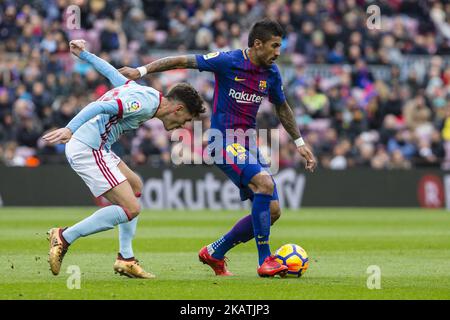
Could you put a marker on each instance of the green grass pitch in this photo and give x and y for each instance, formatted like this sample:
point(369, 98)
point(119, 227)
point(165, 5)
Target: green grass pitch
point(411, 247)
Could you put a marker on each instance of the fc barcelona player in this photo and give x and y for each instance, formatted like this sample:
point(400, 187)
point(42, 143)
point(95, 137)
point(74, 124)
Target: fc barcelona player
point(242, 79)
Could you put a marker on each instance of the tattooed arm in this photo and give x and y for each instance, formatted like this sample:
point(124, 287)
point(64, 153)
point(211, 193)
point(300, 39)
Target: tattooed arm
point(169, 63)
point(163, 64)
point(287, 119)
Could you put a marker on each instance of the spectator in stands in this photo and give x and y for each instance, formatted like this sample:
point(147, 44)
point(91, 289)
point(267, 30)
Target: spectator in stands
point(110, 36)
point(418, 115)
point(402, 141)
point(387, 85)
point(315, 102)
point(380, 160)
point(398, 160)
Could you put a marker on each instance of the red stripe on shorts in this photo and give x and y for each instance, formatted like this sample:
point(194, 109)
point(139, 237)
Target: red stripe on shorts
point(113, 178)
point(101, 168)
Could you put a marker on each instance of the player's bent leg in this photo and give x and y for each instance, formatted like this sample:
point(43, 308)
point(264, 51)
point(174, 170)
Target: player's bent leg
point(103, 219)
point(124, 197)
point(214, 253)
point(127, 230)
point(100, 171)
point(251, 179)
point(241, 232)
point(123, 210)
point(262, 183)
point(134, 180)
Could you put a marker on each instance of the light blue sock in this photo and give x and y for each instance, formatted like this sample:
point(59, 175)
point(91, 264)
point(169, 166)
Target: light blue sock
point(126, 235)
point(103, 219)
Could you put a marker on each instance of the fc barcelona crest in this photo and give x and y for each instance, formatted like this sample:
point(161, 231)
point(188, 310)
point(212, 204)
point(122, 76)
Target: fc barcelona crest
point(262, 85)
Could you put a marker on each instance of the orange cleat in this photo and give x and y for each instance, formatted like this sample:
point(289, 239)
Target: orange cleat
point(271, 268)
point(219, 266)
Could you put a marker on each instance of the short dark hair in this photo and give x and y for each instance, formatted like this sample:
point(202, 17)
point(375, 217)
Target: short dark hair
point(186, 94)
point(264, 30)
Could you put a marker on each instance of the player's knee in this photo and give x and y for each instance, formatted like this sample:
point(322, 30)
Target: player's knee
point(133, 209)
point(265, 185)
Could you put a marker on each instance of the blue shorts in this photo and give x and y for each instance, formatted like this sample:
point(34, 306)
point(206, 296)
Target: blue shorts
point(241, 165)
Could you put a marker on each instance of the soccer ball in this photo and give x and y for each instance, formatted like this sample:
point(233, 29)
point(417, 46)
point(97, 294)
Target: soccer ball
point(294, 257)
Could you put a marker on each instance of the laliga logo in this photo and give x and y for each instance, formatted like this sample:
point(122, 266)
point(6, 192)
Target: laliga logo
point(244, 97)
point(134, 106)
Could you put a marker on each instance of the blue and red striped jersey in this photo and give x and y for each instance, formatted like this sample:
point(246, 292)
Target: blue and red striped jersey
point(240, 86)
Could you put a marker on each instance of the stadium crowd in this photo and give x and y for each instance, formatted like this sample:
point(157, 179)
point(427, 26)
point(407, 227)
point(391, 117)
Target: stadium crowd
point(351, 117)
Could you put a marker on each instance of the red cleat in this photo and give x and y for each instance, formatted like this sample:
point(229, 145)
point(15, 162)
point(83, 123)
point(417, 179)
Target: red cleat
point(271, 267)
point(219, 266)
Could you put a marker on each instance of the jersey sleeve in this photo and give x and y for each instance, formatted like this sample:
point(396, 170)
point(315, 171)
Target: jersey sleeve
point(112, 107)
point(214, 61)
point(140, 104)
point(107, 70)
point(276, 93)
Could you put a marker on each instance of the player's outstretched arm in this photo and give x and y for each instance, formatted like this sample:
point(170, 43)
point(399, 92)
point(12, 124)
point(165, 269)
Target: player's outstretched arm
point(77, 47)
point(160, 65)
point(287, 119)
point(93, 109)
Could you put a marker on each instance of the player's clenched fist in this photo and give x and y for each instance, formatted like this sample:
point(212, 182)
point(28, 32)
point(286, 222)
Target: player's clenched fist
point(77, 46)
point(61, 135)
point(130, 73)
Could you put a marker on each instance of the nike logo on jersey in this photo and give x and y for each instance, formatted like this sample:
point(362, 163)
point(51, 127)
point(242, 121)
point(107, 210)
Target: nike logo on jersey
point(238, 79)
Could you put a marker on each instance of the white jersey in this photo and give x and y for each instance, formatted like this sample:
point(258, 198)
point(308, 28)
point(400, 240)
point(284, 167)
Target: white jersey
point(125, 108)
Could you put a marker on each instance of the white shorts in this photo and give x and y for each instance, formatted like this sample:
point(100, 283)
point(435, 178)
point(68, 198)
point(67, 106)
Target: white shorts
point(98, 168)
